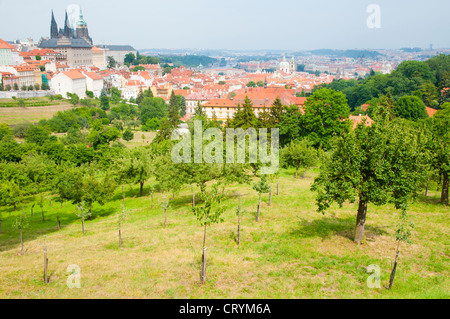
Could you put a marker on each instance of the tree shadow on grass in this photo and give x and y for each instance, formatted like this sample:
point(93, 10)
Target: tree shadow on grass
point(433, 200)
point(10, 239)
point(328, 226)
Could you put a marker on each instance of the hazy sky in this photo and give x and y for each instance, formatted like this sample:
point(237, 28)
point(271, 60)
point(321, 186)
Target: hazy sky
point(239, 24)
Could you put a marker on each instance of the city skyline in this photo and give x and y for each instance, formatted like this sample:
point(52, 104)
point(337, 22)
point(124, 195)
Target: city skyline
point(250, 25)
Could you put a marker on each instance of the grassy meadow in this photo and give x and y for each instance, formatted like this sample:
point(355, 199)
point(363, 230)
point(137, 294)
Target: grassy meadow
point(34, 110)
point(292, 252)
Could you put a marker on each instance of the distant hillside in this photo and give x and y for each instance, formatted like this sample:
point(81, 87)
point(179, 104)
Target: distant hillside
point(347, 53)
point(188, 60)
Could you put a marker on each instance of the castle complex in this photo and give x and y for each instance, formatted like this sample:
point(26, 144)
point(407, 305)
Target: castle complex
point(78, 31)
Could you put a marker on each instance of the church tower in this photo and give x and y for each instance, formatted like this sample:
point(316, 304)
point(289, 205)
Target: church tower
point(82, 29)
point(68, 32)
point(53, 28)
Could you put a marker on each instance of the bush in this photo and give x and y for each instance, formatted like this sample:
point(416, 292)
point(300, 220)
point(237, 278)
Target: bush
point(152, 125)
point(128, 135)
point(20, 130)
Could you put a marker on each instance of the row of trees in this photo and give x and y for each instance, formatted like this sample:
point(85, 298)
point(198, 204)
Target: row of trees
point(15, 87)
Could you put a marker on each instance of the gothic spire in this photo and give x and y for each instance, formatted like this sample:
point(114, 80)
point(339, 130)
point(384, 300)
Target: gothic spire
point(67, 28)
point(53, 27)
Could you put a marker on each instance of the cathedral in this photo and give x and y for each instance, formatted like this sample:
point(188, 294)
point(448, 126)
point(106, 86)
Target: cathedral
point(72, 43)
point(78, 31)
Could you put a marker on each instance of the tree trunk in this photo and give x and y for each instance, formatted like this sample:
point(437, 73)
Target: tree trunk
point(259, 209)
point(203, 270)
point(193, 200)
point(391, 279)
point(304, 173)
point(59, 224)
point(152, 201)
point(445, 184)
point(239, 231)
point(45, 265)
point(165, 217)
point(42, 212)
point(270, 196)
point(142, 188)
point(21, 242)
point(123, 206)
point(15, 207)
point(360, 221)
point(173, 195)
point(82, 225)
point(120, 236)
point(296, 170)
point(32, 208)
point(50, 202)
point(428, 184)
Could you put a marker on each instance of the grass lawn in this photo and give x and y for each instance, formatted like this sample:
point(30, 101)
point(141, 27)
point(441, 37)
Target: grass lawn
point(138, 140)
point(293, 252)
point(32, 114)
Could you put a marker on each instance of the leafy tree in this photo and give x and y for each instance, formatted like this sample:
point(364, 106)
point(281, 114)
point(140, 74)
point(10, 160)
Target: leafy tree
point(83, 213)
point(207, 215)
point(74, 99)
point(261, 187)
point(299, 154)
point(10, 193)
point(326, 115)
point(290, 124)
point(152, 107)
point(411, 108)
point(129, 58)
point(128, 135)
point(377, 164)
point(20, 224)
point(36, 134)
point(403, 233)
point(111, 62)
point(439, 147)
point(135, 166)
point(152, 124)
point(251, 84)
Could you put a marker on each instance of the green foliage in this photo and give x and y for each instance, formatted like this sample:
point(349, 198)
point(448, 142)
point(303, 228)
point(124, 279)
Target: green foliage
point(37, 134)
point(379, 164)
point(245, 118)
point(411, 108)
point(152, 107)
point(128, 135)
point(404, 227)
point(299, 154)
point(152, 125)
point(211, 211)
point(111, 62)
point(262, 187)
point(326, 115)
point(104, 102)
